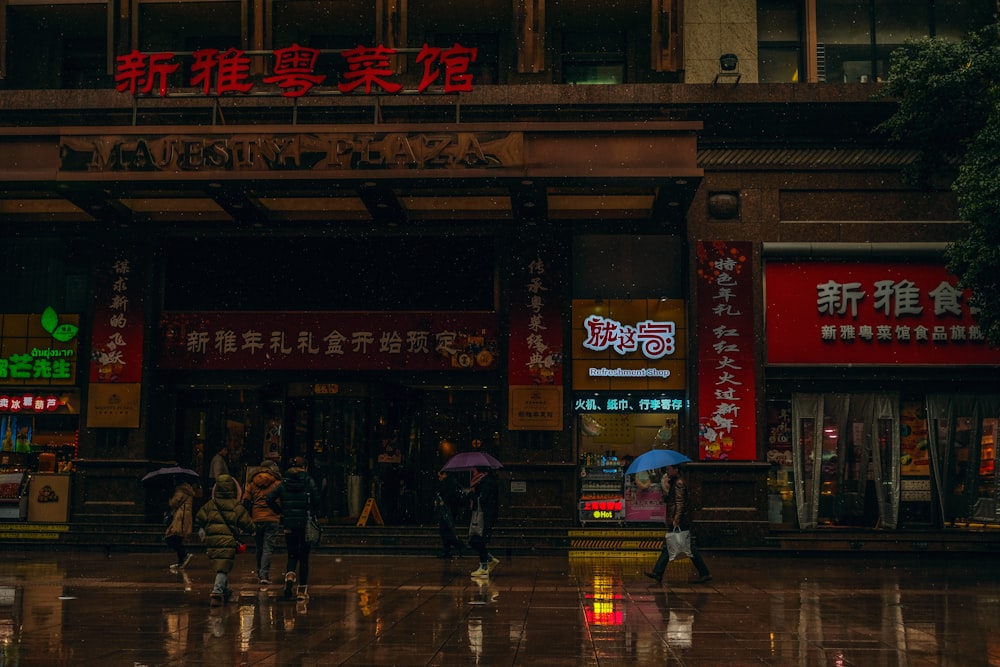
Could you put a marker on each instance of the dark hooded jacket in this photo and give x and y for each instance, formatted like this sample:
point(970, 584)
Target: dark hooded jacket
point(295, 498)
point(221, 517)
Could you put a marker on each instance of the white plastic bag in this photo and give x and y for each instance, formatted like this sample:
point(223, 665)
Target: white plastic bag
point(678, 543)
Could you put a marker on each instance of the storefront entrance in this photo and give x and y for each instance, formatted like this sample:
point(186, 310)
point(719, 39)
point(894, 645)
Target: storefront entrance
point(846, 460)
point(361, 440)
point(962, 439)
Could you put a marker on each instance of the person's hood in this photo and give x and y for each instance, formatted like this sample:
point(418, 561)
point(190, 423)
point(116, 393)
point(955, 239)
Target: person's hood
point(226, 487)
point(266, 478)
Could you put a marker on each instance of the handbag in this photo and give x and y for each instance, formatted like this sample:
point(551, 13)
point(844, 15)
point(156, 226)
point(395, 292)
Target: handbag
point(168, 517)
point(240, 546)
point(314, 534)
point(478, 522)
point(678, 543)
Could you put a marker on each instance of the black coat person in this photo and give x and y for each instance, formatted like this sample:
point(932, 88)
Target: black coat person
point(447, 502)
point(485, 498)
point(295, 499)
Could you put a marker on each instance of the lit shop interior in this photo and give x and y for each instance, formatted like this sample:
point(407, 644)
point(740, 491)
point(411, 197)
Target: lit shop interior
point(609, 439)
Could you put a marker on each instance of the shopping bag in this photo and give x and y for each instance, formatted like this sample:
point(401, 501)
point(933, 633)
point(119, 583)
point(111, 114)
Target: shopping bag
point(478, 522)
point(314, 534)
point(678, 544)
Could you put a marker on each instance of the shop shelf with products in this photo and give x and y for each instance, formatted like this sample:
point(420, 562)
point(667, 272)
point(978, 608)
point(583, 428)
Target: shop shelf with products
point(602, 494)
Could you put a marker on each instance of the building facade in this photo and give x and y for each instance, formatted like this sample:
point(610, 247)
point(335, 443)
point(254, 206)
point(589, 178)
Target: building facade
point(376, 234)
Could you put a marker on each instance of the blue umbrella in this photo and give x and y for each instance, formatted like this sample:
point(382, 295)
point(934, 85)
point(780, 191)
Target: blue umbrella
point(470, 460)
point(656, 458)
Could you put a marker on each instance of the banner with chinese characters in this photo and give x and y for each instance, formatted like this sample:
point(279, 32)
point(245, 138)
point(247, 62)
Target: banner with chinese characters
point(727, 426)
point(870, 313)
point(535, 347)
point(535, 351)
point(385, 341)
point(38, 350)
point(629, 344)
point(119, 326)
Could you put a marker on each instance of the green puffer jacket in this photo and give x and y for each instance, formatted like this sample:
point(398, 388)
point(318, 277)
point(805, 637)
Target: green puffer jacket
point(213, 516)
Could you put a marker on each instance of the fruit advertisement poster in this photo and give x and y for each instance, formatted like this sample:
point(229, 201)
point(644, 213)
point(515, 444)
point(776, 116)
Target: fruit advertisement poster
point(914, 453)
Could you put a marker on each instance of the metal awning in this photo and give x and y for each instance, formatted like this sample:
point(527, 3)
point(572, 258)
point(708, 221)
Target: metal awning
point(394, 175)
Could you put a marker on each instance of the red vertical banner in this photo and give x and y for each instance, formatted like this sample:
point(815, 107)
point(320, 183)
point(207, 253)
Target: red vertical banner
point(726, 386)
point(536, 327)
point(117, 338)
point(535, 350)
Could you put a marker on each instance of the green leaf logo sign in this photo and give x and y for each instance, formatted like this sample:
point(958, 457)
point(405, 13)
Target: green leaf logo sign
point(60, 332)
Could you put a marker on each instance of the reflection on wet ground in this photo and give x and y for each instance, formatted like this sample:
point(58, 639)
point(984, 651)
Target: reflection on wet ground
point(760, 609)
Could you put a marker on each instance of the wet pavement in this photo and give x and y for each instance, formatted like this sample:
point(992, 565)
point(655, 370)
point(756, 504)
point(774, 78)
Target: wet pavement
point(759, 609)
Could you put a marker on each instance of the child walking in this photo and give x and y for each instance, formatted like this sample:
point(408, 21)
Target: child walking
point(221, 520)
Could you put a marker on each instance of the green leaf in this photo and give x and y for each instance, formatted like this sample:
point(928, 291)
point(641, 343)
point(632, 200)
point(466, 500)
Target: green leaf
point(65, 332)
point(50, 319)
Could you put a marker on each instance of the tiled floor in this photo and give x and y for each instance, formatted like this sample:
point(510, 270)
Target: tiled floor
point(762, 609)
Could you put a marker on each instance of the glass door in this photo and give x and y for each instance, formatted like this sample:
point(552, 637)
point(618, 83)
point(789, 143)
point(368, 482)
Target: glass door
point(836, 460)
point(963, 439)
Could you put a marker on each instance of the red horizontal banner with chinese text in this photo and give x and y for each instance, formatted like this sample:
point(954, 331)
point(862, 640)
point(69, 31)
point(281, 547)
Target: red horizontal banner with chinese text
point(415, 341)
point(872, 313)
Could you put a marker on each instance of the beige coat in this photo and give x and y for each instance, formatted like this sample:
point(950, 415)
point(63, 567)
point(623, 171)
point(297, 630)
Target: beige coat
point(182, 505)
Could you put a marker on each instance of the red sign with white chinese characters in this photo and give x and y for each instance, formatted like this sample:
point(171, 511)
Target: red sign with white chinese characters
point(726, 388)
point(119, 325)
point(873, 313)
point(368, 70)
point(415, 341)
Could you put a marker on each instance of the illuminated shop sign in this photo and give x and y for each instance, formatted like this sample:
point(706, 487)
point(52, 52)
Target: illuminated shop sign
point(38, 349)
point(612, 402)
point(27, 402)
point(603, 509)
point(654, 339)
point(629, 344)
point(368, 70)
point(870, 313)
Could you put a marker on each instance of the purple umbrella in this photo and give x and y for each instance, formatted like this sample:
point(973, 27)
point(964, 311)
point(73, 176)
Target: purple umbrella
point(470, 460)
point(169, 472)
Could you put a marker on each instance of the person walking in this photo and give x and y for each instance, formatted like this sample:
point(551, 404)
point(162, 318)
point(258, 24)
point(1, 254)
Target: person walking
point(677, 517)
point(221, 521)
point(486, 498)
point(219, 465)
point(295, 499)
point(447, 501)
point(266, 521)
point(181, 507)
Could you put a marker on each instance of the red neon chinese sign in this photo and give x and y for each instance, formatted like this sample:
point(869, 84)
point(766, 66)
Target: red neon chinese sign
point(29, 403)
point(368, 69)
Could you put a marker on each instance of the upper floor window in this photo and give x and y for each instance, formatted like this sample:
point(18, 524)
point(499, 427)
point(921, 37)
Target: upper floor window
point(56, 46)
point(850, 41)
point(593, 58)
